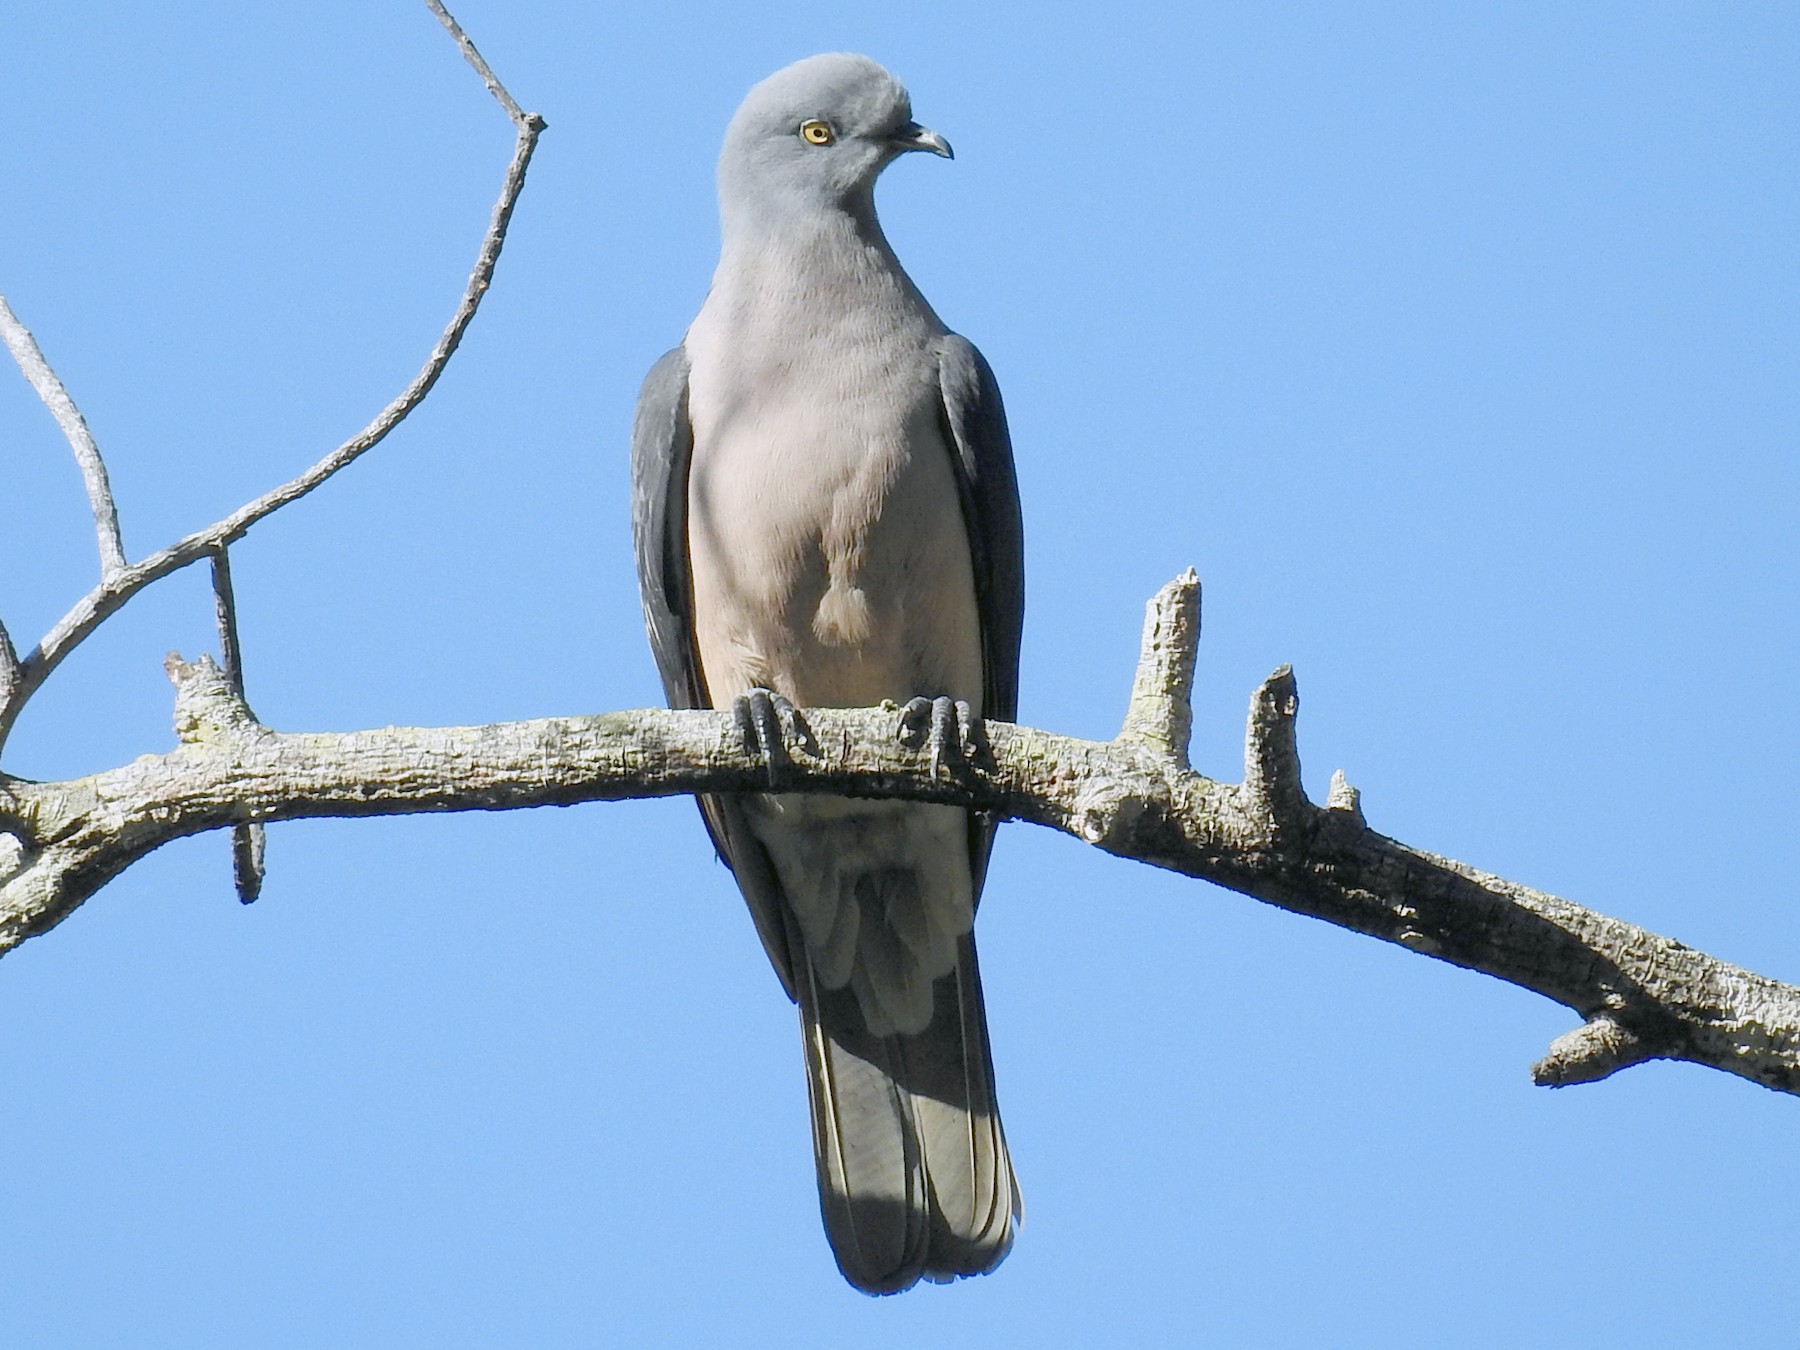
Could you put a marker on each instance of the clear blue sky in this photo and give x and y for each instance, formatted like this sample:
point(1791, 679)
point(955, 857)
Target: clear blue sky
point(1455, 346)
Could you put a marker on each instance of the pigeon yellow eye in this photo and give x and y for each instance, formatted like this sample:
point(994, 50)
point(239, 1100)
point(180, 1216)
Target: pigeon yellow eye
point(816, 133)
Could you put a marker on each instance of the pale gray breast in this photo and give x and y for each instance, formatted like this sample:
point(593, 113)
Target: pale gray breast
point(830, 558)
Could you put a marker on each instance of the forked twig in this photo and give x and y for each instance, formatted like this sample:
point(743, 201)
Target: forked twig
point(124, 582)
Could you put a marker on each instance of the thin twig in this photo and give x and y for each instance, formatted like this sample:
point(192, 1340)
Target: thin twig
point(480, 64)
point(111, 595)
point(231, 656)
point(247, 841)
point(74, 426)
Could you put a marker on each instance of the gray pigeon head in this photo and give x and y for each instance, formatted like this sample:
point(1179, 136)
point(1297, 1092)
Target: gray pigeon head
point(816, 134)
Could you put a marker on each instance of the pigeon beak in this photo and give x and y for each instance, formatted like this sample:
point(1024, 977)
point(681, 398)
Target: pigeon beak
point(915, 137)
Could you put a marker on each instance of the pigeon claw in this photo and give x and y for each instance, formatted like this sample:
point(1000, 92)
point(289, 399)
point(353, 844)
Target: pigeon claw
point(769, 725)
point(949, 726)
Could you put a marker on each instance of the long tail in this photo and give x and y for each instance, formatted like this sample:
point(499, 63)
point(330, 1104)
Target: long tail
point(914, 1177)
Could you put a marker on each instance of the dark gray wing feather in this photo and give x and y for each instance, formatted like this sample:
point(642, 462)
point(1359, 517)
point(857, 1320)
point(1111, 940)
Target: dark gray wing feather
point(976, 422)
point(662, 450)
point(975, 426)
point(662, 446)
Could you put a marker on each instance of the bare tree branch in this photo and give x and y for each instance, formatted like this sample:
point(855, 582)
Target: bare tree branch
point(118, 587)
point(55, 397)
point(1640, 996)
point(247, 841)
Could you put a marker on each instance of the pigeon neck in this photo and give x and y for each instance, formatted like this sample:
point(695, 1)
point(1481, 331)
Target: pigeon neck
point(815, 242)
point(781, 224)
